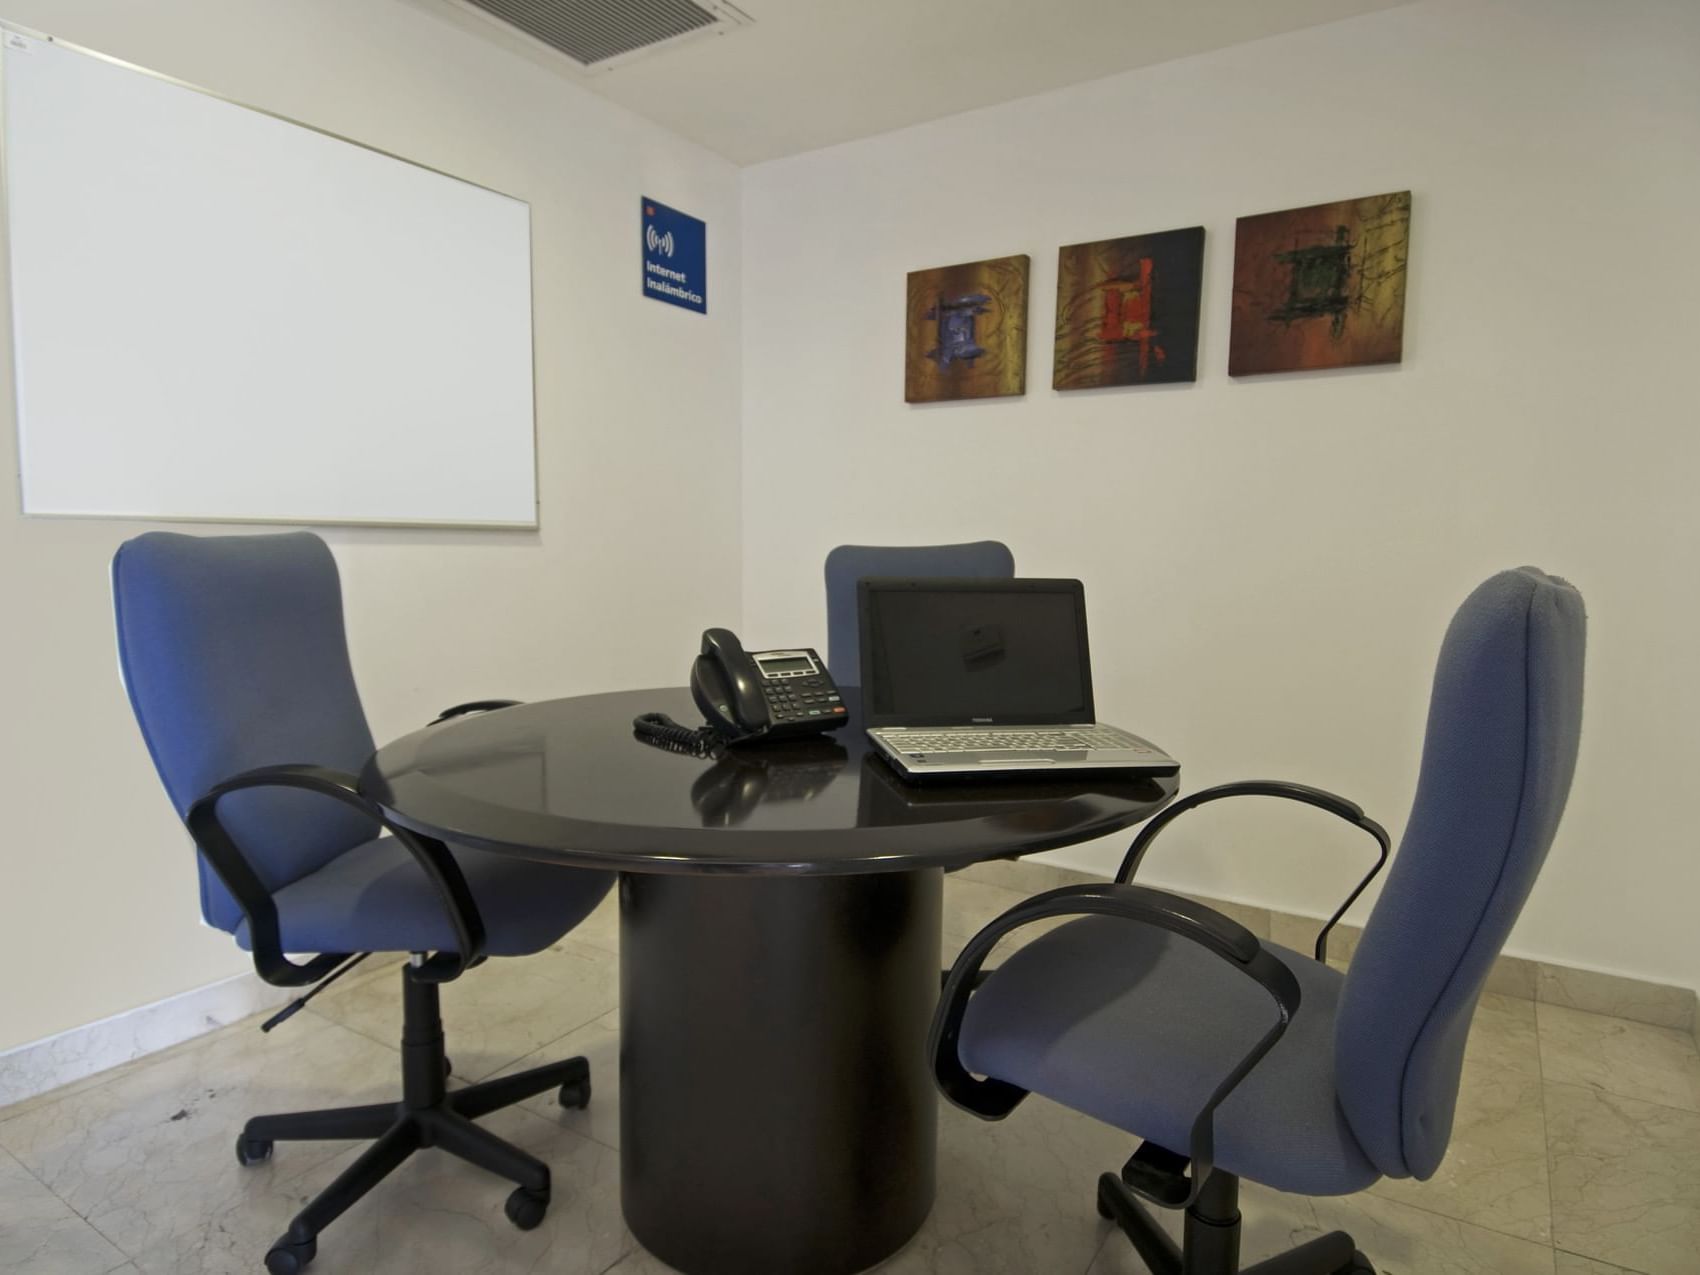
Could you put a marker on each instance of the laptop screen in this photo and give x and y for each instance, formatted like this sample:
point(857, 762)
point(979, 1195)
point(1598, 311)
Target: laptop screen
point(955, 652)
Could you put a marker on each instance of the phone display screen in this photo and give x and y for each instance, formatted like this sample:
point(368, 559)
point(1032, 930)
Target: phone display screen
point(790, 664)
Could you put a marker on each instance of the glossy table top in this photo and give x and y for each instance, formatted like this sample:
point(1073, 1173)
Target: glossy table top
point(566, 781)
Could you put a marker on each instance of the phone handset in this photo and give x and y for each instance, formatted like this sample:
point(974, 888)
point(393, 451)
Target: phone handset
point(726, 686)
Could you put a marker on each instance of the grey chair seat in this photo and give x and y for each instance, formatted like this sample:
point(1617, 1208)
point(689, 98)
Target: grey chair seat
point(1132, 1026)
point(375, 898)
point(1115, 1018)
point(236, 662)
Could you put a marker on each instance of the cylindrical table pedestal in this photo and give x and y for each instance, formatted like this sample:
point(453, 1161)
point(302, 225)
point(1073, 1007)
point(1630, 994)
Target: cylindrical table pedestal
point(777, 1112)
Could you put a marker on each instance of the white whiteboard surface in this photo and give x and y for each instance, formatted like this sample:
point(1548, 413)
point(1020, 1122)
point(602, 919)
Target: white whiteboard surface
point(219, 314)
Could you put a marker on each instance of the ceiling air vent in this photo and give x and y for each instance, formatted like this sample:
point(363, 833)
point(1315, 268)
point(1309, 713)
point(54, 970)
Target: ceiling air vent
point(599, 34)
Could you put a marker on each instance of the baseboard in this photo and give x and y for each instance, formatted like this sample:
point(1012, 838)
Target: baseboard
point(41, 1065)
point(1638, 1000)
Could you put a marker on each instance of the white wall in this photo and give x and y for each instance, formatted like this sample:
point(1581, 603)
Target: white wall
point(1270, 563)
point(637, 409)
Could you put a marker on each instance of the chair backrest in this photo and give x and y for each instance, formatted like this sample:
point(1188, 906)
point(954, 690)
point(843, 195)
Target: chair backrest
point(1503, 727)
point(845, 565)
point(233, 655)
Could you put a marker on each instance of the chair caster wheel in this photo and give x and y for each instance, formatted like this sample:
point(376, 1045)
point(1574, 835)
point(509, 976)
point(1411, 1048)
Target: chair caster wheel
point(1359, 1265)
point(251, 1151)
point(1104, 1210)
point(448, 1068)
point(286, 1258)
point(525, 1209)
point(575, 1094)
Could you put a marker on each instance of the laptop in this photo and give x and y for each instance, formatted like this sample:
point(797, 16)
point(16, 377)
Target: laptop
point(976, 677)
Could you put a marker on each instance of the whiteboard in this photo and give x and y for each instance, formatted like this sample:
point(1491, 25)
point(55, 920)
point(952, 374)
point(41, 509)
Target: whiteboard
point(220, 314)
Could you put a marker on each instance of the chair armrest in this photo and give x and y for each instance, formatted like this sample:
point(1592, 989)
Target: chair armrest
point(472, 706)
point(993, 1099)
point(255, 899)
point(1350, 811)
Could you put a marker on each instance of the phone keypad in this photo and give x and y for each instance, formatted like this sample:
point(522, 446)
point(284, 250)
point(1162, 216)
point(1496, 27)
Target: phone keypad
point(802, 699)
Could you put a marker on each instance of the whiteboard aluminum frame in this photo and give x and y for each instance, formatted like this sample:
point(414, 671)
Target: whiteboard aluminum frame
point(14, 28)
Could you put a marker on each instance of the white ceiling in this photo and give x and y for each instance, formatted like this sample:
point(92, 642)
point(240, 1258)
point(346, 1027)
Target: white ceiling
point(810, 73)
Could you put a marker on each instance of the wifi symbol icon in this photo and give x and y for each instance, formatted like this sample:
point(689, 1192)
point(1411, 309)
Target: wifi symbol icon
point(659, 242)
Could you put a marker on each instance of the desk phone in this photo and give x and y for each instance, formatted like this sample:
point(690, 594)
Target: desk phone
point(763, 694)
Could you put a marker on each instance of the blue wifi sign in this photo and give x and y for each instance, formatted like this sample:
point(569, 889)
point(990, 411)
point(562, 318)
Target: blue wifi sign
point(675, 257)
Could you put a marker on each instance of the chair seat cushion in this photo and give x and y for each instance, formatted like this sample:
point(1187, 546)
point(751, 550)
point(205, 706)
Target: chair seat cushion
point(1136, 1027)
point(376, 898)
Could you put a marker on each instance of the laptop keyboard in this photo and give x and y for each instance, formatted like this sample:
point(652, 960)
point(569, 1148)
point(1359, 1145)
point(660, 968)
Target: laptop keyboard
point(1021, 740)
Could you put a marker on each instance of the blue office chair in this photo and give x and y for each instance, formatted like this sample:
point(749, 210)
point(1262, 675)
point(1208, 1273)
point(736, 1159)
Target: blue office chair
point(1153, 1013)
point(845, 565)
point(234, 657)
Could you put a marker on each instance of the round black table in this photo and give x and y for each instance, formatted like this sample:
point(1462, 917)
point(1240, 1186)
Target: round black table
point(779, 952)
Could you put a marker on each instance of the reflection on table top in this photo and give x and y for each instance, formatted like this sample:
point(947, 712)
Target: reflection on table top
point(567, 780)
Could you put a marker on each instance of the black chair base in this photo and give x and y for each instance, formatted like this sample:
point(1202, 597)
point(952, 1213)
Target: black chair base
point(429, 1115)
point(1211, 1236)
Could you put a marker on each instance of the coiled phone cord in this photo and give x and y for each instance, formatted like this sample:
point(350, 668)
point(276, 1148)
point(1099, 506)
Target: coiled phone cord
point(663, 732)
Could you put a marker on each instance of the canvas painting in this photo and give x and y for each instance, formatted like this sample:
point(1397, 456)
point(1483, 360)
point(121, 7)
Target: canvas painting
point(1127, 310)
point(966, 335)
point(1320, 287)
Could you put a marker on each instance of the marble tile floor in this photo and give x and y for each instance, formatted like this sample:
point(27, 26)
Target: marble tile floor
point(1576, 1150)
